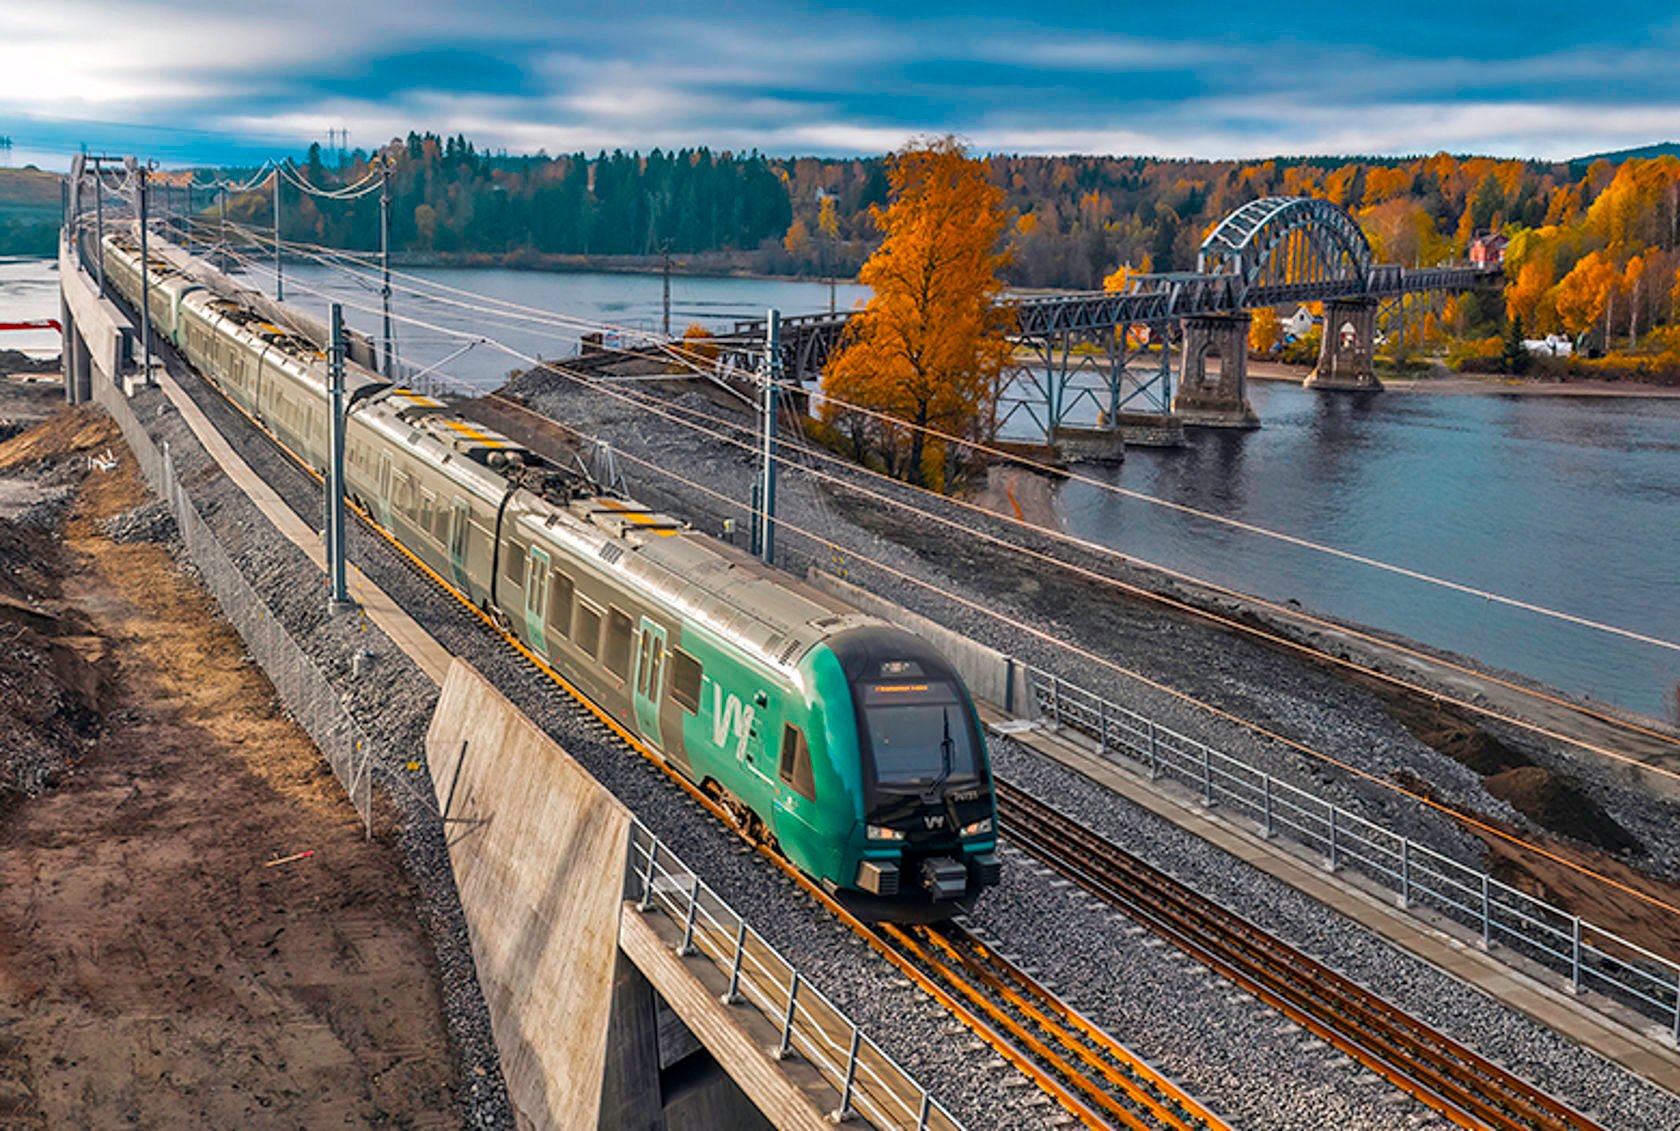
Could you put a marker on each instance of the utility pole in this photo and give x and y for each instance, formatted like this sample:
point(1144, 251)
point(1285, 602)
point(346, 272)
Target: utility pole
point(279, 284)
point(221, 235)
point(338, 598)
point(99, 227)
point(665, 251)
point(764, 516)
point(145, 279)
point(385, 259)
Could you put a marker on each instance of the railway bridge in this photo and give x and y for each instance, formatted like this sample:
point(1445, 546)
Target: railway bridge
point(1072, 362)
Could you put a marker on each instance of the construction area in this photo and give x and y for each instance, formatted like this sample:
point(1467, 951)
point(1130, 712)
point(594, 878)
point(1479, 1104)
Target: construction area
point(195, 932)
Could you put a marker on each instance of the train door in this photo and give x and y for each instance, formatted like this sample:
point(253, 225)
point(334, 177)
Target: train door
point(385, 490)
point(458, 517)
point(649, 683)
point(536, 600)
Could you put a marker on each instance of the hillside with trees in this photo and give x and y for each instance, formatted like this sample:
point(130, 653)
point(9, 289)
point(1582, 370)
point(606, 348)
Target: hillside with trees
point(1592, 253)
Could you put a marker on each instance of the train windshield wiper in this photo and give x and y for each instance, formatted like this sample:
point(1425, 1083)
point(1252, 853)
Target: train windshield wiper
point(947, 755)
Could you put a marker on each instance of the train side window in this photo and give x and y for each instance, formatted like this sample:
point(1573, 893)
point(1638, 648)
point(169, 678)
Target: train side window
point(458, 532)
point(385, 477)
point(513, 568)
point(617, 658)
point(440, 525)
point(795, 768)
point(560, 604)
point(686, 674)
point(428, 502)
point(586, 631)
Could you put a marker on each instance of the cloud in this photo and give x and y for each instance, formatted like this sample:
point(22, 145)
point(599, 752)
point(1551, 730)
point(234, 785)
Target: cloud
point(197, 80)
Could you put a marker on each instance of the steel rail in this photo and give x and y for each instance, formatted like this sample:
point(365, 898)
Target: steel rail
point(1099, 1094)
point(1438, 1071)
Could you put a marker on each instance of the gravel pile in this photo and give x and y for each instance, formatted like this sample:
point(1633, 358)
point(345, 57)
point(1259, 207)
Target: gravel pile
point(393, 701)
point(149, 522)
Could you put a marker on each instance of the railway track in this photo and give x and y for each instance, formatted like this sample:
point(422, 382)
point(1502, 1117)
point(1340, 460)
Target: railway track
point(1085, 1071)
point(1097, 1080)
point(1441, 1073)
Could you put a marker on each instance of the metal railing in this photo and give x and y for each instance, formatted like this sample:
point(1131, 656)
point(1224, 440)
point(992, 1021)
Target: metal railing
point(307, 696)
point(869, 1082)
point(1588, 956)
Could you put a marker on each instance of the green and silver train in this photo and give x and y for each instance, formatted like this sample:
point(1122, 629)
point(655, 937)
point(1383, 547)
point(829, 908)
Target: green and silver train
point(850, 745)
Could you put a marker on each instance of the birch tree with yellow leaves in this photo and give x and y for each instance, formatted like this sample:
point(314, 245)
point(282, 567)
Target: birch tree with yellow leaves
point(929, 346)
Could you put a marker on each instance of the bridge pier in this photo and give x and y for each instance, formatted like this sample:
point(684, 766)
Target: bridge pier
point(1213, 380)
point(1345, 360)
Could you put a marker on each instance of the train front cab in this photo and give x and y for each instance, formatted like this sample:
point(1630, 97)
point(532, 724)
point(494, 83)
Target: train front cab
point(924, 840)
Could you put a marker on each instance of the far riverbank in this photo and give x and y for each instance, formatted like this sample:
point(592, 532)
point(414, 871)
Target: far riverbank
point(1459, 384)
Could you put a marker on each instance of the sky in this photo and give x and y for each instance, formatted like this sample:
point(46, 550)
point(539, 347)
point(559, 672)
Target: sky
point(229, 82)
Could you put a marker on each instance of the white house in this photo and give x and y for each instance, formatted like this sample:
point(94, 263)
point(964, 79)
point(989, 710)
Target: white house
point(1299, 323)
point(1552, 345)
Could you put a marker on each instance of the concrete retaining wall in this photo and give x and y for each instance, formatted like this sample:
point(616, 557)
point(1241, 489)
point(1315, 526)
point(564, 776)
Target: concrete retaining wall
point(538, 849)
point(990, 675)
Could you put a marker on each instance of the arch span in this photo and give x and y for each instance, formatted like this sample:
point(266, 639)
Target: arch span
point(1283, 240)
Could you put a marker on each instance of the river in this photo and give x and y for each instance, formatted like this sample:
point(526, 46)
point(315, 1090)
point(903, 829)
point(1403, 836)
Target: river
point(1568, 502)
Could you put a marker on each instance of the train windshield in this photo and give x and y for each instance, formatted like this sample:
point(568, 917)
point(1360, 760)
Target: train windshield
point(918, 732)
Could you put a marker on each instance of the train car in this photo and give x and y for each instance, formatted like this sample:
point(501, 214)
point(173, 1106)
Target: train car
point(849, 745)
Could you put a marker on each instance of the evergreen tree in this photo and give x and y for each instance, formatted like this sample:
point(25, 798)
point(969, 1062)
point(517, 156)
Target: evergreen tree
point(1513, 356)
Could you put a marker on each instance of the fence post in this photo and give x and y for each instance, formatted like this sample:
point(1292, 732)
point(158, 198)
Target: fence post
point(1102, 727)
point(1676, 1032)
point(844, 1111)
point(1575, 955)
point(1335, 862)
point(1487, 912)
point(1056, 699)
point(1154, 757)
point(1270, 831)
point(1009, 685)
point(733, 994)
point(1405, 872)
point(1207, 776)
point(647, 877)
point(687, 946)
point(787, 1021)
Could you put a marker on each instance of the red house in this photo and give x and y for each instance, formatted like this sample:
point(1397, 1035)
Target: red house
point(1488, 250)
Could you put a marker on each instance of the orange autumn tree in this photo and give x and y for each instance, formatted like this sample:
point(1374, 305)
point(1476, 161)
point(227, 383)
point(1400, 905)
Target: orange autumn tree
point(928, 347)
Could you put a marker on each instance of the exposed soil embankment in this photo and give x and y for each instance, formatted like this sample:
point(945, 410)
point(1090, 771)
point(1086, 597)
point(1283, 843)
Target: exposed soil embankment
point(154, 969)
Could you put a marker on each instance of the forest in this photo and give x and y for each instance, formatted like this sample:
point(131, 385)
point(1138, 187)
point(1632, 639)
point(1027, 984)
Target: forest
point(1592, 252)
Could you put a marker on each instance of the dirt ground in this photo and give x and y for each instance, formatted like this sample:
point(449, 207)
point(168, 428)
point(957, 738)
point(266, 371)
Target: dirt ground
point(153, 970)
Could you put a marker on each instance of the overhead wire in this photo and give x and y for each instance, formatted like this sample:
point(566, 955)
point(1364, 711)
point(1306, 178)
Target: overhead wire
point(1130, 560)
point(1422, 799)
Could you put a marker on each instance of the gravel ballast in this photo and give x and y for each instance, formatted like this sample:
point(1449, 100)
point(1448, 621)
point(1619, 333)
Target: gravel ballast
point(1195, 1026)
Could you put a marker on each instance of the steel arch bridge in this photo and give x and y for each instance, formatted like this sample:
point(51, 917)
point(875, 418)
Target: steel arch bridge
point(1268, 252)
point(1288, 240)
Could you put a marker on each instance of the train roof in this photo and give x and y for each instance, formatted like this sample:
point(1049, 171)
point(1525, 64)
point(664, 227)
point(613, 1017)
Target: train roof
point(771, 614)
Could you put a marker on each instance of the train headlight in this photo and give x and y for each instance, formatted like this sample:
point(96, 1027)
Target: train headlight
point(881, 832)
point(977, 828)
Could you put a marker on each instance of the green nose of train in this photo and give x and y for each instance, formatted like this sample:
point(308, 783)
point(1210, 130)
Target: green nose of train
point(851, 745)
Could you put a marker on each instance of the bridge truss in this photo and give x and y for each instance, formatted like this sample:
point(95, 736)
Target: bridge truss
point(1109, 352)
